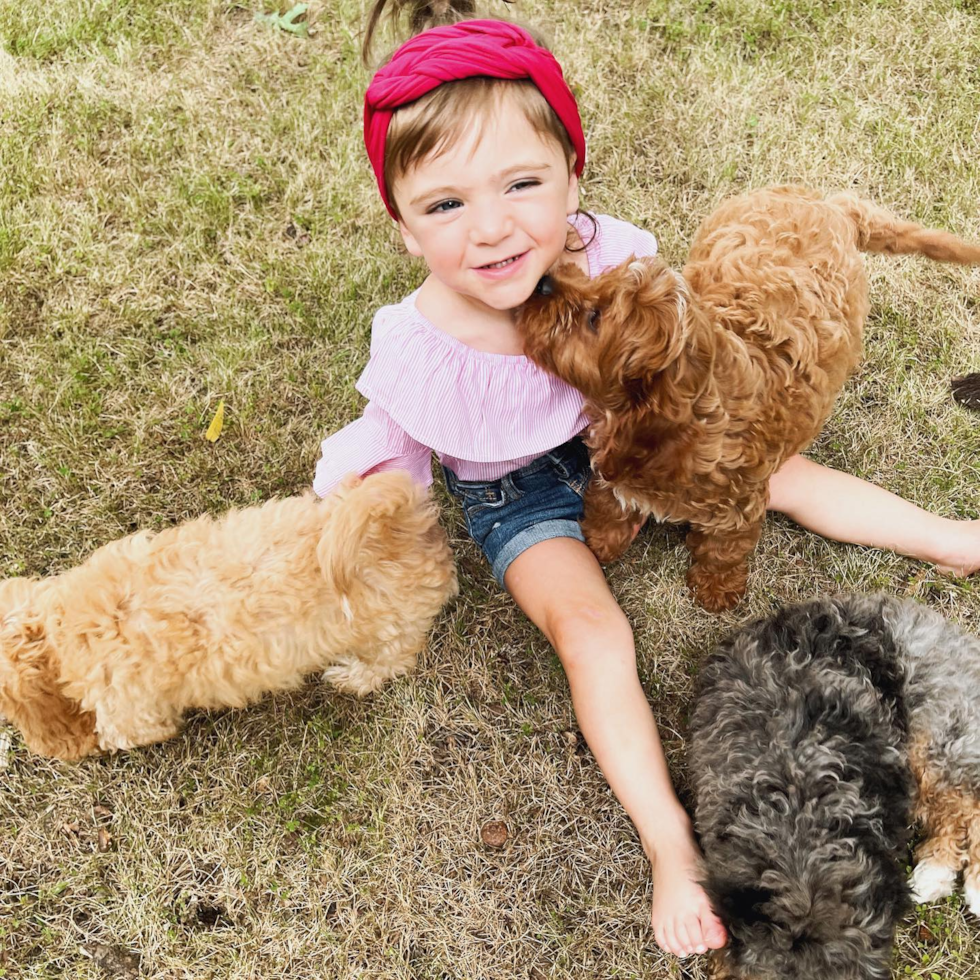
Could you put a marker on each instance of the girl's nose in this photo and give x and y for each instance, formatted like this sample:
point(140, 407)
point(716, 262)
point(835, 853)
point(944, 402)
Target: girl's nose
point(490, 223)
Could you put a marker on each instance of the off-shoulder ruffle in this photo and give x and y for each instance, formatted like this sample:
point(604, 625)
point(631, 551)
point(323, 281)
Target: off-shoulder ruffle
point(611, 241)
point(463, 402)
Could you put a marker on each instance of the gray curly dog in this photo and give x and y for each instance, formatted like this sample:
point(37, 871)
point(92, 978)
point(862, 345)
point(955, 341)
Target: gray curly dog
point(817, 736)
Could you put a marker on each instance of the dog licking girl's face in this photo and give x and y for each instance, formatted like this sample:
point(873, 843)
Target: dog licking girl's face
point(610, 336)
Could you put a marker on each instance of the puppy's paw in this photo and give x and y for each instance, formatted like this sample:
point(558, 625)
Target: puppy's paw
point(68, 749)
point(606, 543)
point(114, 739)
point(971, 895)
point(931, 881)
point(358, 678)
point(717, 591)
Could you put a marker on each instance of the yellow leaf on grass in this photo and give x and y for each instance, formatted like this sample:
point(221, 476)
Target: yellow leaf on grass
point(217, 423)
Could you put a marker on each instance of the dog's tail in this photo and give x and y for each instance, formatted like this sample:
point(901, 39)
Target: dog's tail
point(880, 231)
point(376, 524)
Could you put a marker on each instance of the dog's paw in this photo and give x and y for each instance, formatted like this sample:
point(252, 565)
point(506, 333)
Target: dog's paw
point(931, 881)
point(971, 895)
point(606, 546)
point(117, 740)
point(716, 592)
point(717, 602)
point(357, 678)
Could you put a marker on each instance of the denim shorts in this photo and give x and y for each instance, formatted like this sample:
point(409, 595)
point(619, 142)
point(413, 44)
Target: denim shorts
point(539, 501)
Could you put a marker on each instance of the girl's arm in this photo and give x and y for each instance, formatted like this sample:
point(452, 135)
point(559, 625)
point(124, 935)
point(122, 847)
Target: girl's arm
point(372, 443)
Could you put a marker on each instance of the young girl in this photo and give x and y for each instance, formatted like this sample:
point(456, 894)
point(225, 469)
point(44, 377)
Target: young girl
point(477, 147)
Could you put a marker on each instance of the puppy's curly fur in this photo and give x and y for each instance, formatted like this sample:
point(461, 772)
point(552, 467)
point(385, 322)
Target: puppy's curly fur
point(700, 386)
point(816, 736)
point(215, 613)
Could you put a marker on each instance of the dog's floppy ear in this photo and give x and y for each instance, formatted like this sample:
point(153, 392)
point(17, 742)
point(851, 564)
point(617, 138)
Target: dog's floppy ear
point(649, 311)
point(30, 693)
point(375, 520)
point(738, 902)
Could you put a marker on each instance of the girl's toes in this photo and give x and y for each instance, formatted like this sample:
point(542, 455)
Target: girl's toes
point(686, 941)
point(695, 935)
point(678, 938)
point(715, 935)
point(673, 942)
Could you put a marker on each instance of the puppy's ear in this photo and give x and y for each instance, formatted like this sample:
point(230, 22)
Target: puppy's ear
point(738, 902)
point(649, 312)
point(376, 521)
point(640, 270)
point(30, 692)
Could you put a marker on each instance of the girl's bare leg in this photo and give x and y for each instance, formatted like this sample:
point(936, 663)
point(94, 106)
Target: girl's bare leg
point(843, 507)
point(560, 586)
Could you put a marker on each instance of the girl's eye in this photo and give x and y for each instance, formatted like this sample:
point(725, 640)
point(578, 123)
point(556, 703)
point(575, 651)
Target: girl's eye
point(521, 184)
point(594, 320)
point(443, 206)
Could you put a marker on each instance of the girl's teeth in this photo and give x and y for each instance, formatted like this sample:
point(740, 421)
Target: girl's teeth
point(500, 265)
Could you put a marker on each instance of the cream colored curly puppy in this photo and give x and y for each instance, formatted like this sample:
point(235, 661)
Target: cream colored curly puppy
point(215, 613)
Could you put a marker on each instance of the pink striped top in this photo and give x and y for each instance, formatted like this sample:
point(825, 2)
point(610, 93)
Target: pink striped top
point(483, 414)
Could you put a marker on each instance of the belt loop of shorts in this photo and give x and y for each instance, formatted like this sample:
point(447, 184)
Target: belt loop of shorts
point(508, 488)
point(556, 458)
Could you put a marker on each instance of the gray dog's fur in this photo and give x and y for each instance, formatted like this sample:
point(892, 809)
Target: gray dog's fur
point(818, 735)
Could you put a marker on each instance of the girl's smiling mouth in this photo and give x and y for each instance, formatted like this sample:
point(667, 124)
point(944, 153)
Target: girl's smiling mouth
point(502, 269)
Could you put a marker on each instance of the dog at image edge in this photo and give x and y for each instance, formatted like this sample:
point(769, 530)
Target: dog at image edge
point(966, 390)
point(817, 736)
point(216, 613)
point(699, 386)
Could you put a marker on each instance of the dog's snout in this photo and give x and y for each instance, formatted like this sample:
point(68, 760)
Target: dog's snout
point(545, 286)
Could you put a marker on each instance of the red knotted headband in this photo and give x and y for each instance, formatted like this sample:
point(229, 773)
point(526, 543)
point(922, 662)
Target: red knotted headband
point(471, 48)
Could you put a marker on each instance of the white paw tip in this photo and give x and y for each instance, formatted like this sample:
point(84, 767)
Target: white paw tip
point(971, 896)
point(930, 882)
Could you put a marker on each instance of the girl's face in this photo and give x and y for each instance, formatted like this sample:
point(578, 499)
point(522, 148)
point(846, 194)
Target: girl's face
point(489, 215)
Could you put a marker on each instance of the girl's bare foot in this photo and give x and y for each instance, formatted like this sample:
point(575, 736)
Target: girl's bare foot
point(960, 555)
point(682, 917)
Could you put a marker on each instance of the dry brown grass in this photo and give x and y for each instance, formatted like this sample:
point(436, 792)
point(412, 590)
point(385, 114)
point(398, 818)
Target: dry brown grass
point(153, 159)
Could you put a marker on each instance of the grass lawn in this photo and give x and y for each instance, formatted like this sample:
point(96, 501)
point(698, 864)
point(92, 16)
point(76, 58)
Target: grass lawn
point(187, 215)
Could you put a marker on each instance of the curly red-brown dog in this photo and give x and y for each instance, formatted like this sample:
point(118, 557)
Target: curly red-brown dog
point(700, 385)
